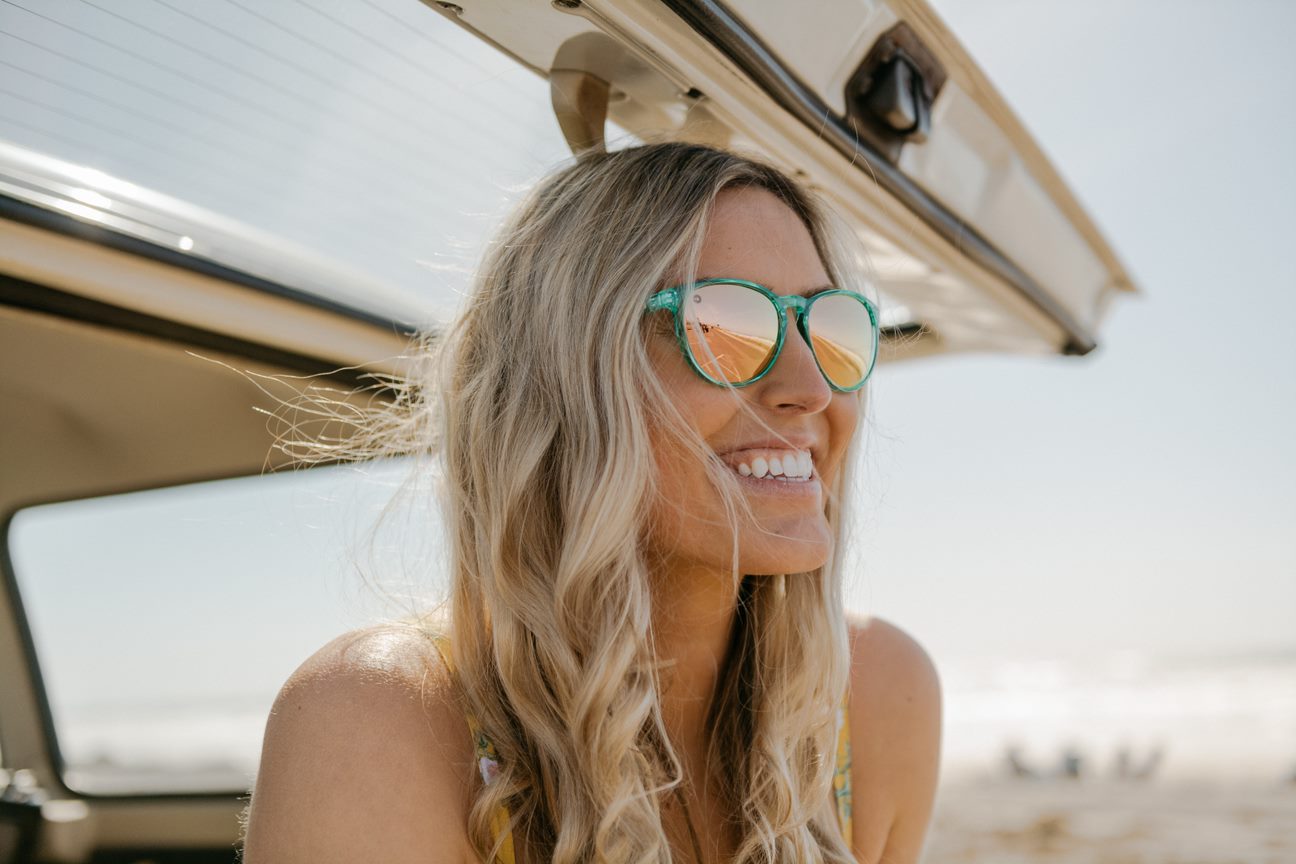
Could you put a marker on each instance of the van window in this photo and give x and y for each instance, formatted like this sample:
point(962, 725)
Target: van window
point(165, 621)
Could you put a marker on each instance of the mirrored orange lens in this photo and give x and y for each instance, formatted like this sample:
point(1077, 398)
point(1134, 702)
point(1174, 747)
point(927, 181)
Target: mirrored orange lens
point(731, 331)
point(842, 335)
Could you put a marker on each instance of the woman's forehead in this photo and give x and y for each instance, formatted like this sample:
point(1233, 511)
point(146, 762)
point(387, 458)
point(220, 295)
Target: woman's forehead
point(753, 235)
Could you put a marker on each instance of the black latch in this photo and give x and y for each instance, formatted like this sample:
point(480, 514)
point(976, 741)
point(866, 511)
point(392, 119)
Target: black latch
point(889, 98)
point(899, 100)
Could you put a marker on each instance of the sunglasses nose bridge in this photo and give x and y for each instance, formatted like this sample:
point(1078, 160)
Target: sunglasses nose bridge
point(794, 304)
point(796, 307)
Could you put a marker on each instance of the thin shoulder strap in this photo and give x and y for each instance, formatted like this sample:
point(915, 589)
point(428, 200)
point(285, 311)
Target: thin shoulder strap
point(842, 773)
point(487, 760)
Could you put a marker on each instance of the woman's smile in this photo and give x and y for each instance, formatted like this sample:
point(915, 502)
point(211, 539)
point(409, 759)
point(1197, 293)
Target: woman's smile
point(772, 470)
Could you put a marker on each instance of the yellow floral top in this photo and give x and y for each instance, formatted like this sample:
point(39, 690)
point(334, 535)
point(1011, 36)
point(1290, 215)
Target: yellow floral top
point(488, 764)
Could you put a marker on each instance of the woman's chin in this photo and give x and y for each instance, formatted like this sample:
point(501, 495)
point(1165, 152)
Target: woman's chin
point(798, 552)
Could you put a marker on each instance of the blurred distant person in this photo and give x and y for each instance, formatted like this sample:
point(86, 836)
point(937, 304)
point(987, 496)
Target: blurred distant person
point(1017, 763)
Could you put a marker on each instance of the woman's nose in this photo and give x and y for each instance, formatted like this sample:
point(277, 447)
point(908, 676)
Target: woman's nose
point(795, 384)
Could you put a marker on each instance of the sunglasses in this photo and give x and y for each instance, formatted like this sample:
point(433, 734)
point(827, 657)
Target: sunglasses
point(732, 331)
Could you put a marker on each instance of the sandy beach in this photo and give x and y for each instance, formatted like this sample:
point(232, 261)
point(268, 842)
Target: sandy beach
point(1007, 821)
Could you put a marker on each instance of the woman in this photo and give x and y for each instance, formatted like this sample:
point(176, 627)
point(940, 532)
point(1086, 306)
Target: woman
point(647, 658)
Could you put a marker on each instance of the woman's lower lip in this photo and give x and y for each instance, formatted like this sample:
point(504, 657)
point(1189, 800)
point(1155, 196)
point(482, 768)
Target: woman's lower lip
point(771, 485)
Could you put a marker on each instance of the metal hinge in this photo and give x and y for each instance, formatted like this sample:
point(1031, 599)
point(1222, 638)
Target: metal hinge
point(20, 816)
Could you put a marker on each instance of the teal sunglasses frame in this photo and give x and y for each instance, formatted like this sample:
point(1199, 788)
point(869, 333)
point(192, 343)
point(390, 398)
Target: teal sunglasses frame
point(672, 299)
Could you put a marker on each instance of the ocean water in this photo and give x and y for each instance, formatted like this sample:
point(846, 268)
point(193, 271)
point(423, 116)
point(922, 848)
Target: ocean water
point(1217, 720)
point(1220, 719)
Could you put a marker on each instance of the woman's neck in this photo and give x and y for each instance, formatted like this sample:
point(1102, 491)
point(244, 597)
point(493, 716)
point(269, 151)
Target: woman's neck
point(693, 617)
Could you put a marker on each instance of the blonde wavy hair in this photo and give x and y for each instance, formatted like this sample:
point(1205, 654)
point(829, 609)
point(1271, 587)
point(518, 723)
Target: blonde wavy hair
point(542, 409)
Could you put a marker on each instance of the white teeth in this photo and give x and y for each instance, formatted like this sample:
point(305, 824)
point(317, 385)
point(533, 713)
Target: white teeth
point(797, 465)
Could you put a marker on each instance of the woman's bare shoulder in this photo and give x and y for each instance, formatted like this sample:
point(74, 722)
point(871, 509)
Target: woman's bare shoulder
point(367, 756)
point(895, 740)
point(879, 647)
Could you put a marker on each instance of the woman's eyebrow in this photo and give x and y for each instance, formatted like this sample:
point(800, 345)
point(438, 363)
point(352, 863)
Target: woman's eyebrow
point(810, 292)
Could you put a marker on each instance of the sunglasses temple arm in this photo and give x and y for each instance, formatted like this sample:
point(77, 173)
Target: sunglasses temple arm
point(667, 299)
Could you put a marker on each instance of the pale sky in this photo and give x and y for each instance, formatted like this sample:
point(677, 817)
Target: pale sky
point(1144, 496)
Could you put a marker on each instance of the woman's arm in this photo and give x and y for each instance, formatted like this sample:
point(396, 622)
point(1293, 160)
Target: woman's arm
point(365, 759)
point(895, 741)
